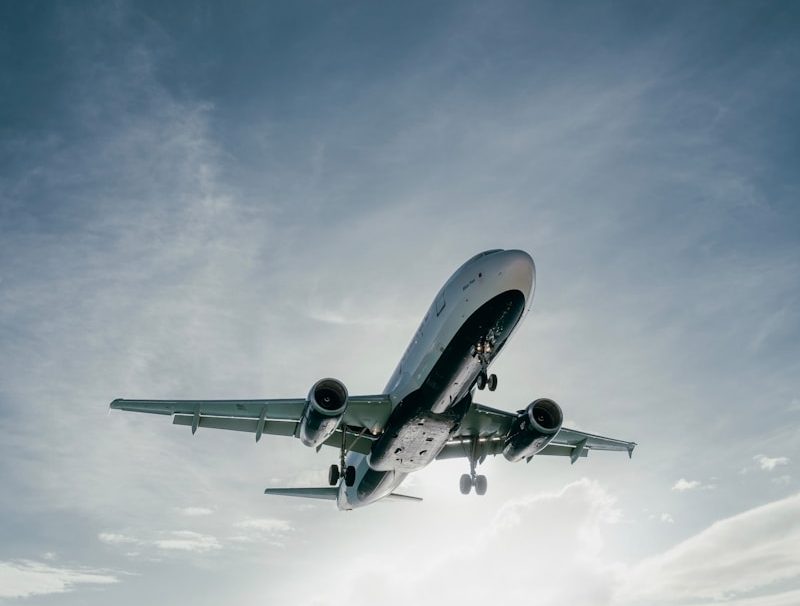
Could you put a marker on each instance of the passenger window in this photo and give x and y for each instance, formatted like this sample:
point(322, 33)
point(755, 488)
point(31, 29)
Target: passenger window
point(440, 303)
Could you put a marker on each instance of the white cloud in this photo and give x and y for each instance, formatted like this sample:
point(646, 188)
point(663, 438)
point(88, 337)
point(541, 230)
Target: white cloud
point(117, 539)
point(208, 269)
point(782, 480)
point(560, 539)
point(262, 530)
point(270, 525)
point(769, 463)
point(25, 578)
point(683, 485)
point(667, 518)
point(556, 537)
point(740, 554)
point(194, 511)
point(786, 598)
point(174, 540)
point(186, 540)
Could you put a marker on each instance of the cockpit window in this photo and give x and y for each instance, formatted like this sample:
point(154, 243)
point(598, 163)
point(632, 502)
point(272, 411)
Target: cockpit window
point(485, 253)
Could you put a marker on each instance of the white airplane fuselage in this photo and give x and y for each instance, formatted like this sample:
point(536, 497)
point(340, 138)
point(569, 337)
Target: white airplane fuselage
point(430, 390)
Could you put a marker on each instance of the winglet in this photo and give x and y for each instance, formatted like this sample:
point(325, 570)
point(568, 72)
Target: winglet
point(631, 446)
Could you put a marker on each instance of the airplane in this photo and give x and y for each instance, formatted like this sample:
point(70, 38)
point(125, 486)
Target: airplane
point(426, 412)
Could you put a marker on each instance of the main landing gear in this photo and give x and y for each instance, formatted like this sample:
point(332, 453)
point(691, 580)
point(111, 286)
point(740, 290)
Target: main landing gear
point(471, 480)
point(337, 472)
point(334, 475)
point(467, 481)
point(481, 350)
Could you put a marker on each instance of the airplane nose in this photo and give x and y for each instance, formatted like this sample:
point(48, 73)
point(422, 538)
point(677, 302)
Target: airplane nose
point(520, 271)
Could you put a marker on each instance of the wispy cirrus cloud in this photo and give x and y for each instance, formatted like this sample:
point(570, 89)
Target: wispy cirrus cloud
point(270, 525)
point(187, 540)
point(27, 578)
point(194, 511)
point(189, 209)
point(172, 540)
point(270, 531)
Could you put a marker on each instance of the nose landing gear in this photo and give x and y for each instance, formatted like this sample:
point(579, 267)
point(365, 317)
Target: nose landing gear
point(485, 380)
point(481, 350)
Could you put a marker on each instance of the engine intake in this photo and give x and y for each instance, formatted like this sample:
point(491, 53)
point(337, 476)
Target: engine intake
point(534, 428)
point(327, 401)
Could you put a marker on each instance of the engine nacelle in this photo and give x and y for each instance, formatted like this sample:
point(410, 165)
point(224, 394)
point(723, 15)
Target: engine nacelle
point(534, 428)
point(324, 410)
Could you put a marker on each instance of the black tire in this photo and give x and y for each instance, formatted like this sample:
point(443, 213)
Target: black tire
point(481, 484)
point(491, 383)
point(481, 382)
point(465, 484)
point(349, 475)
point(333, 475)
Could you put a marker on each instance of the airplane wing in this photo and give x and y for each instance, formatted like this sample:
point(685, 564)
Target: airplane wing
point(364, 417)
point(490, 427)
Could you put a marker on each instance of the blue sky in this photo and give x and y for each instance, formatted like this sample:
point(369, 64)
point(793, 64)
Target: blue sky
point(216, 201)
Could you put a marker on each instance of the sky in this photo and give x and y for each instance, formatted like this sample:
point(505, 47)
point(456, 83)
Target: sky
point(233, 200)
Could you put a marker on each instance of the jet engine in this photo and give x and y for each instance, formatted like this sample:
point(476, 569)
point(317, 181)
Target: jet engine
point(324, 410)
point(533, 429)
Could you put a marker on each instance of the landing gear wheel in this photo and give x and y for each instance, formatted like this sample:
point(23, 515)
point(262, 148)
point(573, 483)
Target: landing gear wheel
point(465, 484)
point(491, 382)
point(481, 382)
point(480, 485)
point(333, 475)
point(349, 476)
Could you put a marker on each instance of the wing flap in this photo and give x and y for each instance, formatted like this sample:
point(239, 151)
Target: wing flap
point(278, 410)
point(578, 439)
point(362, 411)
point(354, 441)
point(462, 448)
point(490, 426)
point(364, 418)
point(275, 428)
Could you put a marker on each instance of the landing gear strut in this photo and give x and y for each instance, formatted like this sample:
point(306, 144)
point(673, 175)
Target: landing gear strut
point(471, 479)
point(337, 472)
point(481, 351)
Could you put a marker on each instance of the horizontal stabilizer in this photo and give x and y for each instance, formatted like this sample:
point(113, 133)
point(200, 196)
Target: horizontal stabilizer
point(328, 493)
point(401, 497)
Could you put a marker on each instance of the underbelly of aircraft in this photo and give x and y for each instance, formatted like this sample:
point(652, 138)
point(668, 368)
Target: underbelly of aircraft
point(423, 422)
point(414, 443)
